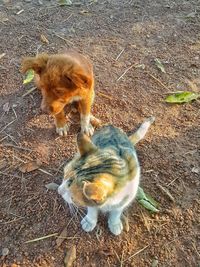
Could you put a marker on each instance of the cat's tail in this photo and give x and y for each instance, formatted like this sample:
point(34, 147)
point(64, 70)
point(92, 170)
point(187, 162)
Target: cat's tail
point(140, 133)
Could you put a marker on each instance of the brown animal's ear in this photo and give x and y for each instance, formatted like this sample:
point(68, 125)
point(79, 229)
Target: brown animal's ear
point(85, 144)
point(81, 80)
point(94, 192)
point(37, 63)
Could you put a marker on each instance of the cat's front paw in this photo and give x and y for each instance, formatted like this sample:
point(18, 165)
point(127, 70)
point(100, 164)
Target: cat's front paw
point(115, 227)
point(87, 224)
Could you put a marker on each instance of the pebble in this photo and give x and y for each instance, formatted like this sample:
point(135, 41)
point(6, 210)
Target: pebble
point(5, 252)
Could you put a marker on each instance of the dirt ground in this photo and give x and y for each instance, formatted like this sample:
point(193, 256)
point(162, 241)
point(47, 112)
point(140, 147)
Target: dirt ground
point(120, 37)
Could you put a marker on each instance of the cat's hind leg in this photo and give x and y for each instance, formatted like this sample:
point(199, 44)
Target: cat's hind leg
point(114, 221)
point(90, 220)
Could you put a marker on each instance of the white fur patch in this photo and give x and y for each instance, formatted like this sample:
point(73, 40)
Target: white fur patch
point(129, 191)
point(75, 98)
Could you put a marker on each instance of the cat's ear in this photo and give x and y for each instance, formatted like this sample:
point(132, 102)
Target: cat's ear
point(94, 192)
point(85, 145)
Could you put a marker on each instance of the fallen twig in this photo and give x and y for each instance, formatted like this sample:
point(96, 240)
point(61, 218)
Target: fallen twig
point(119, 54)
point(157, 80)
point(136, 253)
point(166, 191)
point(40, 238)
point(104, 95)
point(29, 91)
point(7, 125)
point(62, 38)
point(125, 72)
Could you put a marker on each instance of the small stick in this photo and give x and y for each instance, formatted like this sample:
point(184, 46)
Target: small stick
point(172, 181)
point(125, 72)
point(136, 253)
point(40, 238)
point(29, 91)
point(18, 147)
point(119, 54)
point(64, 39)
point(4, 138)
point(44, 171)
point(166, 191)
point(156, 79)
point(19, 12)
point(14, 112)
point(104, 95)
point(7, 125)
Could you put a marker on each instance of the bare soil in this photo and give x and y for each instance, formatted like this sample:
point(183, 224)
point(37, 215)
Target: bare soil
point(119, 36)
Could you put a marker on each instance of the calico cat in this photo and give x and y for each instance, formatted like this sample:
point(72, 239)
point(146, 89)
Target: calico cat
point(104, 175)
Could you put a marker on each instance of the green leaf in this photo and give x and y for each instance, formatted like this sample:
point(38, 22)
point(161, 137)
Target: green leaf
point(159, 65)
point(29, 76)
point(65, 2)
point(147, 205)
point(181, 97)
point(146, 201)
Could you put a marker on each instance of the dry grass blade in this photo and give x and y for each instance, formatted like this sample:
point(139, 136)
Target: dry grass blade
point(7, 125)
point(120, 77)
point(70, 257)
point(120, 54)
point(157, 80)
point(136, 253)
point(104, 95)
point(166, 191)
point(40, 238)
point(64, 39)
point(29, 91)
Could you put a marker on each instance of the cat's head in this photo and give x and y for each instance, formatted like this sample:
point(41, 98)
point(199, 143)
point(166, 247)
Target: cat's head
point(93, 175)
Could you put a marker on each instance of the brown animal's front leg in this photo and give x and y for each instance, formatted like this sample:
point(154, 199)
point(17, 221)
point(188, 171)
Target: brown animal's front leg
point(84, 109)
point(61, 123)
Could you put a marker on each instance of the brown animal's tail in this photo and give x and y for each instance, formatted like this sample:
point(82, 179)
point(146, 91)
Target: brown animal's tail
point(140, 133)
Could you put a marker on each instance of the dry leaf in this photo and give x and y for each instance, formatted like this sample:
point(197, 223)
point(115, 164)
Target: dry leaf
point(195, 170)
point(52, 186)
point(2, 55)
point(44, 39)
point(30, 166)
point(61, 238)
point(83, 11)
point(126, 223)
point(159, 65)
point(6, 107)
point(70, 257)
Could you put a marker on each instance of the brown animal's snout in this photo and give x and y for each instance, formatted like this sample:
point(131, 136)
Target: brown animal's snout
point(53, 107)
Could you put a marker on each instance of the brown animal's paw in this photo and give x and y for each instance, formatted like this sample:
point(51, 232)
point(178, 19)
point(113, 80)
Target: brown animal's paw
point(62, 131)
point(87, 129)
point(94, 121)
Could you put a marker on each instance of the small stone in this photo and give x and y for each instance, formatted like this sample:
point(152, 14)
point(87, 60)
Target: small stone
point(52, 186)
point(5, 252)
